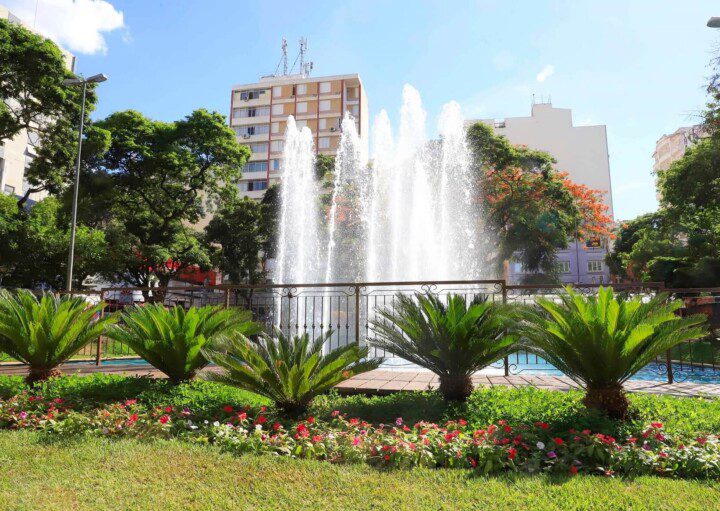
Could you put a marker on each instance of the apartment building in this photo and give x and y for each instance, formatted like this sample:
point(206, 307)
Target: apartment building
point(17, 153)
point(672, 147)
point(582, 152)
point(259, 113)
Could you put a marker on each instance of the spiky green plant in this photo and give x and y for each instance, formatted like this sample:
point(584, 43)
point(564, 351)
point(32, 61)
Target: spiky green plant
point(43, 333)
point(290, 371)
point(172, 339)
point(601, 341)
point(453, 339)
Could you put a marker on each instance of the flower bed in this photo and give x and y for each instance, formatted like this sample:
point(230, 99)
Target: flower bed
point(498, 447)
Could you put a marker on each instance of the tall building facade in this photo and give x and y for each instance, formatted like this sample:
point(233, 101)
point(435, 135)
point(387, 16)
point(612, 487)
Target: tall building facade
point(582, 152)
point(259, 113)
point(17, 153)
point(672, 147)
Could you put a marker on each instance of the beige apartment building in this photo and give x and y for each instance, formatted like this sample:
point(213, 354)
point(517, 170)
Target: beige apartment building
point(17, 153)
point(259, 113)
point(672, 147)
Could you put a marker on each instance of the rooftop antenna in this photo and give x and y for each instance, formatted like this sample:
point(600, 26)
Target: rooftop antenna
point(305, 67)
point(283, 59)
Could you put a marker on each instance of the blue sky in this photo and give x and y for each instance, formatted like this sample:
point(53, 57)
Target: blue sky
point(638, 67)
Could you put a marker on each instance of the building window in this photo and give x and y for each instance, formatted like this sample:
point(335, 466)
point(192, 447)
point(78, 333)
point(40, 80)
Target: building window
point(353, 109)
point(352, 93)
point(301, 124)
point(276, 146)
point(302, 108)
point(246, 95)
point(563, 267)
point(259, 111)
point(301, 89)
point(324, 87)
point(259, 147)
point(595, 266)
point(276, 127)
point(324, 143)
point(10, 190)
point(253, 129)
point(277, 109)
point(276, 165)
point(255, 166)
point(323, 124)
point(325, 105)
point(277, 92)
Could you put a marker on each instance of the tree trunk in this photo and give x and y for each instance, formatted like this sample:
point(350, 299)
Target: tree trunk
point(37, 375)
point(293, 409)
point(456, 388)
point(612, 401)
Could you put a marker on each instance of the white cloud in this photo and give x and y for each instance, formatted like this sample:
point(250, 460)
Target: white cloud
point(78, 25)
point(546, 73)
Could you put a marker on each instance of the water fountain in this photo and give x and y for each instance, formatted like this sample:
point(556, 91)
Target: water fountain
point(410, 214)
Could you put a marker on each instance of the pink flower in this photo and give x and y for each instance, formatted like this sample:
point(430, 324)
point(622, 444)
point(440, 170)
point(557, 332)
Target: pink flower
point(356, 441)
point(23, 415)
point(335, 413)
point(130, 402)
point(399, 421)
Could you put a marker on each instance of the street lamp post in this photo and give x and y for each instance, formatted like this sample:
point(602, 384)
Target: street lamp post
point(71, 254)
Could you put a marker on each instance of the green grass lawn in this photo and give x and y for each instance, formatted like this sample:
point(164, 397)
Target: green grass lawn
point(92, 473)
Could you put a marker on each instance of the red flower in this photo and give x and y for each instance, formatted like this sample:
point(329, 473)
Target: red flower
point(662, 454)
point(261, 419)
point(228, 408)
point(242, 416)
point(164, 419)
point(511, 453)
point(311, 420)
point(168, 409)
point(543, 425)
point(462, 422)
point(317, 438)
point(130, 402)
point(449, 437)
point(335, 413)
point(657, 425)
point(573, 470)
point(472, 461)
point(277, 426)
point(387, 457)
point(558, 441)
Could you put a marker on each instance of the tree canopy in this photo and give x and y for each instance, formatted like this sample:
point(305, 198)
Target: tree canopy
point(34, 100)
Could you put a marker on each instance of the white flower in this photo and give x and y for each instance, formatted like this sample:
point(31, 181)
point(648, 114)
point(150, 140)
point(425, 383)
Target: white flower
point(216, 423)
point(540, 445)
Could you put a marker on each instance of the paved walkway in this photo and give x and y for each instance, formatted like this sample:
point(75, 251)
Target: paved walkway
point(384, 381)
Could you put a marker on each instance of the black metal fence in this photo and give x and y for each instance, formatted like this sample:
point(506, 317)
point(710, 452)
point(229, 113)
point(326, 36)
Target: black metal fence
point(346, 310)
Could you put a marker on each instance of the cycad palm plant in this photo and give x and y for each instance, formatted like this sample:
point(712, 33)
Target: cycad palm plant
point(453, 339)
point(43, 333)
point(172, 339)
point(290, 371)
point(601, 341)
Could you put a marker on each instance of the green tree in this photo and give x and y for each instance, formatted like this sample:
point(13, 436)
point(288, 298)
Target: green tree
point(35, 246)
point(34, 99)
point(239, 231)
point(155, 181)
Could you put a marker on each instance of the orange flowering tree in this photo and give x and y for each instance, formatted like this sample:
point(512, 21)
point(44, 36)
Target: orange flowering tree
point(532, 210)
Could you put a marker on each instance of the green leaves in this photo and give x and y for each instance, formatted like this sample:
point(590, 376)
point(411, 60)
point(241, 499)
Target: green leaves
point(291, 371)
point(452, 339)
point(172, 339)
point(602, 341)
point(43, 333)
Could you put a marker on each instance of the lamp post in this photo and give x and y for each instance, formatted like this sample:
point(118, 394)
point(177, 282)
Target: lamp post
point(71, 254)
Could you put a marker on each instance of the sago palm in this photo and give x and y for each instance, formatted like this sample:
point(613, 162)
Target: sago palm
point(453, 339)
point(172, 339)
point(290, 371)
point(601, 341)
point(43, 333)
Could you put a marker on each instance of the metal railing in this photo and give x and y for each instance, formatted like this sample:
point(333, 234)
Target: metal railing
point(346, 309)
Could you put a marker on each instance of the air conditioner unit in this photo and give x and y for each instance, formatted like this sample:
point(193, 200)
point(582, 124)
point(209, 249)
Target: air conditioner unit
point(333, 128)
point(246, 135)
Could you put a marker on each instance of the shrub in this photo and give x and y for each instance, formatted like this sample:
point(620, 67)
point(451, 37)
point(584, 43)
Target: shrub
point(172, 339)
point(290, 371)
point(453, 340)
point(602, 341)
point(43, 333)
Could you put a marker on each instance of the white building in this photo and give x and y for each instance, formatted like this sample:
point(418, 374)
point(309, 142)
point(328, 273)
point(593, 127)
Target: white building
point(17, 153)
point(582, 152)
